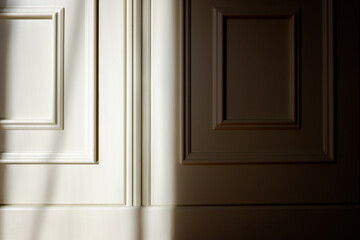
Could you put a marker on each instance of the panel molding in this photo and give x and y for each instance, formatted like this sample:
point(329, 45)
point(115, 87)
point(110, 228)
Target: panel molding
point(91, 75)
point(326, 155)
point(219, 121)
point(56, 16)
point(328, 80)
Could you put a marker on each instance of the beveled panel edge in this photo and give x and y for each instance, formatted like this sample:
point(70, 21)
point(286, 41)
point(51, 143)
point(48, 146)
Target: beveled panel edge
point(47, 158)
point(271, 124)
point(56, 14)
point(328, 79)
point(327, 155)
point(187, 80)
point(219, 122)
point(225, 158)
point(91, 74)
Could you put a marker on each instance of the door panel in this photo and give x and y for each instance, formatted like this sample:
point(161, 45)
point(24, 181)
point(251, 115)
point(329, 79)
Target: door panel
point(246, 63)
point(62, 103)
point(258, 105)
point(49, 101)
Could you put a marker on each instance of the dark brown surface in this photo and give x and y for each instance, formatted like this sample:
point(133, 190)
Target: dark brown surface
point(316, 163)
point(259, 82)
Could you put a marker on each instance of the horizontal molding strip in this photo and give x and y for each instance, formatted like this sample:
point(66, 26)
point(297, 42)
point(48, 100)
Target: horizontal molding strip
point(46, 158)
point(164, 223)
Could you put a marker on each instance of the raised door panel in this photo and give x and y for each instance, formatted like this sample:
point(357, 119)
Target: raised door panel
point(60, 100)
point(266, 102)
point(35, 108)
point(243, 98)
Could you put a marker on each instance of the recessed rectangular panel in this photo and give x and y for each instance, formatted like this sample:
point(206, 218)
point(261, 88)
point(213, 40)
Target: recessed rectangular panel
point(255, 70)
point(49, 83)
point(258, 74)
point(31, 68)
point(61, 166)
point(26, 66)
point(262, 90)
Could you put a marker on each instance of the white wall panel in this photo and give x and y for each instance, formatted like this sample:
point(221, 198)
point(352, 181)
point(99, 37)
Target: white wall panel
point(81, 63)
point(49, 82)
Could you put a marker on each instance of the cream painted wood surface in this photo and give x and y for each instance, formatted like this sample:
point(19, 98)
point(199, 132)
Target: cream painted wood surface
point(38, 68)
point(81, 71)
point(63, 102)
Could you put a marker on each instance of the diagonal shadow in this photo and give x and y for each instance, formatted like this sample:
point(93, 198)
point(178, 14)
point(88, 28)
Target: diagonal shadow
point(52, 174)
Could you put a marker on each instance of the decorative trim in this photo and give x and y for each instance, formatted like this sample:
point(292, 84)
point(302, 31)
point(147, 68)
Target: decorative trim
point(137, 103)
point(56, 16)
point(133, 102)
point(328, 80)
point(146, 102)
point(324, 156)
point(219, 121)
point(277, 221)
point(91, 75)
point(206, 158)
point(45, 158)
